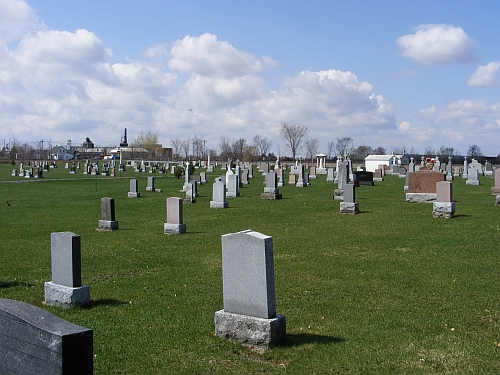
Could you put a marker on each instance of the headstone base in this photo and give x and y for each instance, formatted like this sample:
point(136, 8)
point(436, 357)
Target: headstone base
point(270, 196)
point(420, 197)
point(443, 209)
point(255, 332)
point(301, 184)
point(271, 191)
point(174, 228)
point(187, 200)
point(338, 194)
point(214, 204)
point(66, 296)
point(349, 208)
point(133, 195)
point(149, 188)
point(495, 191)
point(497, 201)
point(158, 190)
point(449, 177)
point(470, 182)
point(107, 225)
point(231, 194)
point(320, 170)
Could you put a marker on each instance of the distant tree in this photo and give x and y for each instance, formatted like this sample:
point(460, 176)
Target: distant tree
point(361, 152)
point(147, 141)
point(380, 151)
point(446, 151)
point(293, 135)
point(176, 145)
point(429, 151)
point(474, 151)
point(344, 146)
point(250, 153)
point(262, 144)
point(225, 147)
point(330, 149)
point(185, 147)
point(198, 147)
point(312, 145)
point(238, 147)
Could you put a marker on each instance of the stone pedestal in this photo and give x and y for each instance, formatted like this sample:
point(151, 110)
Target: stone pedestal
point(133, 195)
point(420, 197)
point(66, 296)
point(270, 196)
point(107, 225)
point(472, 182)
point(338, 194)
point(174, 228)
point(255, 332)
point(214, 204)
point(443, 209)
point(349, 208)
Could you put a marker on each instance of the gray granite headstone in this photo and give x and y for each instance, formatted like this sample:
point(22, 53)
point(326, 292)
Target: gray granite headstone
point(249, 314)
point(218, 195)
point(36, 342)
point(66, 287)
point(174, 224)
point(134, 190)
point(472, 177)
point(232, 185)
point(108, 221)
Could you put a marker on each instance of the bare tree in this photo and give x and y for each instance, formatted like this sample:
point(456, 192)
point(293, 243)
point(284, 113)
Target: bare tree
point(225, 147)
point(262, 144)
point(379, 151)
point(344, 146)
point(361, 152)
point(198, 147)
point(238, 147)
point(293, 135)
point(185, 147)
point(429, 151)
point(177, 145)
point(312, 145)
point(330, 149)
point(474, 151)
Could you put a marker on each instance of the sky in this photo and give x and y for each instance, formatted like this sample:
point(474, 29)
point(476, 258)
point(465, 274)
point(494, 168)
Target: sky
point(413, 75)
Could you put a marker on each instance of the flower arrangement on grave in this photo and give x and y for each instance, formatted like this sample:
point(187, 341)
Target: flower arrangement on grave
point(429, 163)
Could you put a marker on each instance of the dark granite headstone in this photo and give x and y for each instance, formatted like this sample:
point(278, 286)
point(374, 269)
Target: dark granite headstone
point(35, 342)
point(364, 178)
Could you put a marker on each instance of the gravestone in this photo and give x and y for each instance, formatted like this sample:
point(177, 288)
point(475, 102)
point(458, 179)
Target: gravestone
point(466, 168)
point(443, 207)
point(271, 190)
point(203, 177)
point(281, 177)
point(449, 170)
point(190, 192)
point(249, 315)
point(422, 185)
point(301, 181)
point(14, 173)
point(488, 171)
point(244, 177)
point(134, 190)
point(349, 204)
point(66, 287)
point(330, 172)
point(364, 178)
point(232, 185)
point(218, 194)
point(108, 221)
point(151, 184)
point(36, 342)
point(342, 179)
point(291, 179)
point(378, 175)
point(312, 173)
point(174, 224)
point(495, 190)
point(472, 177)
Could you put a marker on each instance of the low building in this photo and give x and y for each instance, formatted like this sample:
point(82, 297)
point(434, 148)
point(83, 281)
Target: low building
point(60, 153)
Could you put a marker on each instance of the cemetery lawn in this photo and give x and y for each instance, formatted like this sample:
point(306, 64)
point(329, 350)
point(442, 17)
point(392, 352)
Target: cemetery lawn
point(388, 291)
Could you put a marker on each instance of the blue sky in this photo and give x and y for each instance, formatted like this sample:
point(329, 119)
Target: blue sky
point(396, 74)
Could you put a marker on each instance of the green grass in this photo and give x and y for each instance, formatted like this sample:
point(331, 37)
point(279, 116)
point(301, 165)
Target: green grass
point(391, 290)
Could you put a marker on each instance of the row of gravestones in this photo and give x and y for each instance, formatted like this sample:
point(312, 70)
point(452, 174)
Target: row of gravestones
point(34, 341)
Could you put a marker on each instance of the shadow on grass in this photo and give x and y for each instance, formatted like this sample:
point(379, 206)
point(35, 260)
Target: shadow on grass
point(13, 284)
point(104, 302)
point(296, 339)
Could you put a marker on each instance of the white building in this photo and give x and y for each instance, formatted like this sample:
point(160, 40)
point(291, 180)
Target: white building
point(60, 153)
point(373, 161)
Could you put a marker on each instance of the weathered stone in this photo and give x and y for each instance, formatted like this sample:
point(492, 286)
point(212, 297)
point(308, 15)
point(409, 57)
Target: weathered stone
point(35, 342)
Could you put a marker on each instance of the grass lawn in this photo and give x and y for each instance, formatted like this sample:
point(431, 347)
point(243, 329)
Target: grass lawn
point(388, 291)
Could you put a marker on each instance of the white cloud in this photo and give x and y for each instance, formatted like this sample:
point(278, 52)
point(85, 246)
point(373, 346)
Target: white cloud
point(205, 55)
point(437, 45)
point(486, 75)
point(16, 19)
